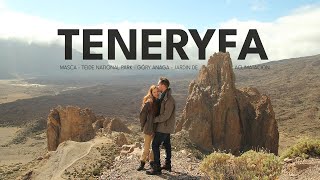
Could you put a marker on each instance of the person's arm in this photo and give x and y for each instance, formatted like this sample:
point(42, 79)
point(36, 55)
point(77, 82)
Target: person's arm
point(168, 110)
point(143, 115)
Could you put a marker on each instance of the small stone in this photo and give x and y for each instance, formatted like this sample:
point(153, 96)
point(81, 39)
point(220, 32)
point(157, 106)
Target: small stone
point(16, 168)
point(126, 147)
point(292, 175)
point(117, 158)
point(123, 153)
point(288, 160)
point(302, 166)
point(130, 157)
point(47, 156)
point(120, 139)
point(137, 145)
point(103, 177)
point(183, 151)
point(131, 150)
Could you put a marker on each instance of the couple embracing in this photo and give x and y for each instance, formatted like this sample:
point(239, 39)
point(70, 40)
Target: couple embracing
point(157, 118)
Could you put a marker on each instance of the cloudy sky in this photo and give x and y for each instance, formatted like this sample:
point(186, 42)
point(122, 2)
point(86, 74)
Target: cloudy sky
point(287, 28)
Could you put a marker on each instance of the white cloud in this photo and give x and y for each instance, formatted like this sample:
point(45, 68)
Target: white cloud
point(25, 27)
point(293, 35)
point(296, 34)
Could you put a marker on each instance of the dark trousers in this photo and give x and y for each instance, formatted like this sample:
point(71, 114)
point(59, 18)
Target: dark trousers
point(157, 140)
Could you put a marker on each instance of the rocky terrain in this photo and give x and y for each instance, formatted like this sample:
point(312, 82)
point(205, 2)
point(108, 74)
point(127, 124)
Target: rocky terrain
point(291, 85)
point(219, 116)
point(294, 97)
point(80, 125)
point(184, 165)
point(299, 168)
point(112, 152)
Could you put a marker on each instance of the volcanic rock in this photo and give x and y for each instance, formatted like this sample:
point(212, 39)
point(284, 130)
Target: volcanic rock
point(116, 125)
point(219, 116)
point(69, 123)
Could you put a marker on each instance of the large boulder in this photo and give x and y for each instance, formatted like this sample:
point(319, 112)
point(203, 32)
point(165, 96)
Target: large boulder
point(69, 123)
point(120, 139)
point(115, 125)
point(219, 116)
point(100, 123)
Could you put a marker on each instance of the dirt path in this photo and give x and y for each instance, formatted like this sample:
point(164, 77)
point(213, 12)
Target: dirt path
point(68, 153)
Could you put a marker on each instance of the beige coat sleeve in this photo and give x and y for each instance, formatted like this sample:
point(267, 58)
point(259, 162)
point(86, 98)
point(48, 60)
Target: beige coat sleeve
point(143, 115)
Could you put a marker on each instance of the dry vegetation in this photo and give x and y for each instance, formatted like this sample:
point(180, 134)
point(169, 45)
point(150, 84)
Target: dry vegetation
point(250, 165)
point(261, 164)
point(305, 148)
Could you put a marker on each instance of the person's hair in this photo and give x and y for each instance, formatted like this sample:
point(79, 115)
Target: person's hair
point(150, 98)
point(164, 81)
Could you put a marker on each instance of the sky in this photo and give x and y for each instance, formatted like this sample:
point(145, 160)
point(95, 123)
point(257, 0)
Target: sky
point(287, 28)
point(193, 14)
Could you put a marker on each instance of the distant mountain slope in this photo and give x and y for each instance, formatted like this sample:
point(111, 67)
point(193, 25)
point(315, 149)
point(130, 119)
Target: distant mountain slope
point(20, 59)
point(293, 86)
point(121, 97)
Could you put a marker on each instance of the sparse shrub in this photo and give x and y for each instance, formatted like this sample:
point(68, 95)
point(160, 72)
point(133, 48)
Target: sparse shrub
point(66, 172)
point(304, 148)
point(250, 165)
point(96, 172)
point(216, 165)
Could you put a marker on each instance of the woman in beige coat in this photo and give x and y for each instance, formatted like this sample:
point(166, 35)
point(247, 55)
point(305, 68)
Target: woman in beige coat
point(149, 110)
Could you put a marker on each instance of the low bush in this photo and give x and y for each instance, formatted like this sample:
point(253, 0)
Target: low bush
point(250, 165)
point(305, 148)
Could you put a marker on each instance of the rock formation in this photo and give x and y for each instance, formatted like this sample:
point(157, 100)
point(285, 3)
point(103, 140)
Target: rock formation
point(100, 123)
point(133, 149)
point(120, 139)
point(219, 116)
point(109, 125)
point(70, 123)
point(116, 125)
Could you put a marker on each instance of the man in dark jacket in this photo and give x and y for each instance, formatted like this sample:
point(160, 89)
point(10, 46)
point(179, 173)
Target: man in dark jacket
point(165, 126)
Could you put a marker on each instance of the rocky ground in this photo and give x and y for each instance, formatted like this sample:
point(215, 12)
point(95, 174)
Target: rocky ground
point(187, 168)
point(16, 159)
point(102, 158)
point(184, 166)
point(294, 96)
point(299, 168)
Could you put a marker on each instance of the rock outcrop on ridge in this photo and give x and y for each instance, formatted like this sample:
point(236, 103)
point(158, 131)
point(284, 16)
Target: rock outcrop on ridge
point(69, 123)
point(219, 116)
